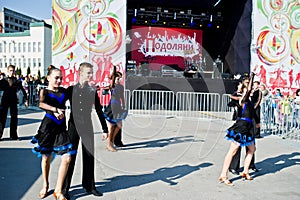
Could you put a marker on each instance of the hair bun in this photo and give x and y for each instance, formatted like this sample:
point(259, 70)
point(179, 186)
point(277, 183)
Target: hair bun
point(50, 67)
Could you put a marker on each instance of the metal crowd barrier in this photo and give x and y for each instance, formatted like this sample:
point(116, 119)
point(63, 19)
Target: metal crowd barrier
point(280, 116)
point(225, 100)
point(151, 102)
point(197, 105)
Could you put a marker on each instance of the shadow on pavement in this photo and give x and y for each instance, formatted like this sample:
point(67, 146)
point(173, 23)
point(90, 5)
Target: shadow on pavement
point(169, 175)
point(19, 169)
point(274, 165)
point(160, 143)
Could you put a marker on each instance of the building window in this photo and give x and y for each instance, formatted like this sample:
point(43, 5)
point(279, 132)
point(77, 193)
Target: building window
point(34, 62)
point(29, 46)
point(19, 47)
point(9, 48)
point(15, 47)
point(39, 47)
point(24, 47)
point(0, 47)
point(20, 63)
point(10, 61)
point(29, 63)
point(0, 63)
point(39, 62)
point(24, 62)
point(34, 47)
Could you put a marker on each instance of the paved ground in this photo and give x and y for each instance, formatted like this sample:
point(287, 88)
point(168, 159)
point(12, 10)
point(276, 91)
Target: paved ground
point(166, 158)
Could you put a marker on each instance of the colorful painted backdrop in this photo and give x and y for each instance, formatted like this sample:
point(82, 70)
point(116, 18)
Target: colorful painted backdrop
point(89, 31)
point(275, 55)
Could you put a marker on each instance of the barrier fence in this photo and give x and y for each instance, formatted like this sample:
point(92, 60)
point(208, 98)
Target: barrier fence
point(278, 116)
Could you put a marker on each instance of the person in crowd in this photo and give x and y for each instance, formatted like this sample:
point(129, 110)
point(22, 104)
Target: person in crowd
point(276, 107)
point(285, 105)
point(256, 97)
point(10, 88)
point(115, 112)
point(52, 136)
point(265, 102)
point(296, 114)
point(2, 75)
point(82, 98)
point(234, 103)
point(240, 135)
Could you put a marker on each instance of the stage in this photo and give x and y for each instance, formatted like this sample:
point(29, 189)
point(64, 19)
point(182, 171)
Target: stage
point(182, 84)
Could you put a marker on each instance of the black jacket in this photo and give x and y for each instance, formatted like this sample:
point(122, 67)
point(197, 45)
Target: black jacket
point(10, 87)
point(82, 101)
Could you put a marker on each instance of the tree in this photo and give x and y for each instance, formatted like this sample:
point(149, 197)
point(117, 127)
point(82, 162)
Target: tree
point(18, 71)
point(39, 73)
point(28, 71)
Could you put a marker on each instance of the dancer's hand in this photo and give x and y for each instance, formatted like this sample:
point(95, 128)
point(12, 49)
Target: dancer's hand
point(59, 114)
point(26, 104)
point(104, 136)
point(257, 125)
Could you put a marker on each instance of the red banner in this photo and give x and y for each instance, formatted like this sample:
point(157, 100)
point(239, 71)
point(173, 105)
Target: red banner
point(166, 46)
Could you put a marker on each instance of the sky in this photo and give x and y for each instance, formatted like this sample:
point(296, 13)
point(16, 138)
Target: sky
point(39, 9)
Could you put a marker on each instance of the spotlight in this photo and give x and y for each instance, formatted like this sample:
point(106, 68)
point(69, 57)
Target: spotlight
point(133, 20)
point(153, 21)
point(209, 25)
point(164, 22)
point(135, 12)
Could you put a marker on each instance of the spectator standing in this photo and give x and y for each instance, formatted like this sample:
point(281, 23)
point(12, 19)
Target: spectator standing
point(265, 103)
point(296, 114)
point(10, 87)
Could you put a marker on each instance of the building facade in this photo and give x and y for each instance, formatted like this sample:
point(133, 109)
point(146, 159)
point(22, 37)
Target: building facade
point(31, 48)
point(11, 21)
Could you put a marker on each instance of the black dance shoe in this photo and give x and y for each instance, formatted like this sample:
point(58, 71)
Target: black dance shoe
point(67, 196)
point(16, 139)
point(94, 192)
point(120, 144)
point(254, 169)
point(233, 171)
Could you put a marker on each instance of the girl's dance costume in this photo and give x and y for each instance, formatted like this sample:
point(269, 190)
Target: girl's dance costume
point(114, 111)
point(240, 132)
point(52, 135)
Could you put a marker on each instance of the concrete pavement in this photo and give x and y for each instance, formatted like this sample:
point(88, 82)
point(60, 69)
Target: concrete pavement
point(165, 158)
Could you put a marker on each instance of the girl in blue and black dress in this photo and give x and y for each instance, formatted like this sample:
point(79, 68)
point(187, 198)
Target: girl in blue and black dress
point(240, 135)
point(52, 136)
point(115, 113)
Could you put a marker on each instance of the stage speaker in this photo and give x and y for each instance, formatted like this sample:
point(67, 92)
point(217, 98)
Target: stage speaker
point(145, 70)
point(225, 76)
